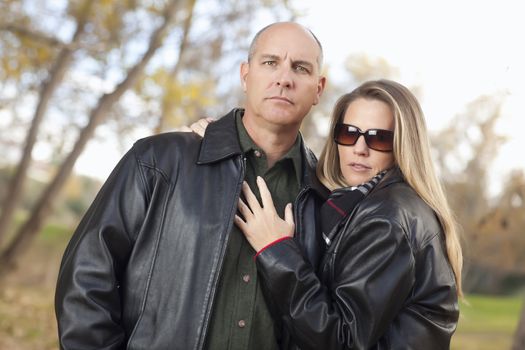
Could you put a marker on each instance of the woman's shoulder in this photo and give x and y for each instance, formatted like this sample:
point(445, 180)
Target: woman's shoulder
point(403, 207)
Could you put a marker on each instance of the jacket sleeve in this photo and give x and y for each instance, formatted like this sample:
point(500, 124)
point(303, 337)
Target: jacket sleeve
point(371, 276)
point(87, 299)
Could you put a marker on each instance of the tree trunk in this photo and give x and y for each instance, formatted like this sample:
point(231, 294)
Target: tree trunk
point(43, 208)
point(167, 106)
point(519, 336)
point(56, 75)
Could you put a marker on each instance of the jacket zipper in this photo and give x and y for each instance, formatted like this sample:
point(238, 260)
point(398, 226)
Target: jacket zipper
point(223, 253)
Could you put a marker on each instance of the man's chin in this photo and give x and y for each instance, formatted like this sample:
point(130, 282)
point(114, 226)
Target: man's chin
point(284, 115)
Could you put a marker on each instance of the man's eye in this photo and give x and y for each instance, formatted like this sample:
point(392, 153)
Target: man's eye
point(269, 63)
point(302, 69)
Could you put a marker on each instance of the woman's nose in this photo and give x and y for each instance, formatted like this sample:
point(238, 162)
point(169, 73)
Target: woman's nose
point(360, 146)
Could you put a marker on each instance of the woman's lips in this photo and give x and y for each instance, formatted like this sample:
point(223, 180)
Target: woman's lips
point(359, 167)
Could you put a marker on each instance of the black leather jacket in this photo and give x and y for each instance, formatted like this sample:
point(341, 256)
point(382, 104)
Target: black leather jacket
point(385, 281)
point(141, 270)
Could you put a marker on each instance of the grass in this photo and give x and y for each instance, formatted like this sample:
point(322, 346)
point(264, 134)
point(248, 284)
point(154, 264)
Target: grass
point(487, 322)
point(27, 319)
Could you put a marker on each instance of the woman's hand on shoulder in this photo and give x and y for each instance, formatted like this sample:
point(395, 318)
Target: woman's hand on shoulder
point(198, 127)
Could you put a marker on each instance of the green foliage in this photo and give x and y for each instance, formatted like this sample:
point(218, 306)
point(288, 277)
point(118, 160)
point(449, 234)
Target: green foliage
point(106, 26)
point(180, 101)
point(76, 206)
point(78, 194)
point(22, 55)
point(55, 232)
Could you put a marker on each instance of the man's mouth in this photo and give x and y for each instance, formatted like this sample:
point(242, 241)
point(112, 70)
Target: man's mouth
point(281, 99)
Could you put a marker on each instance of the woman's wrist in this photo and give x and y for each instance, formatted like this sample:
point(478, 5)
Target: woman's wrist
point(271, 244)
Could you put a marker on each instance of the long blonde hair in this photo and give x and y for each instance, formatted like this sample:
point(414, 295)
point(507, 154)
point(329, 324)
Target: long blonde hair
point(411, 152)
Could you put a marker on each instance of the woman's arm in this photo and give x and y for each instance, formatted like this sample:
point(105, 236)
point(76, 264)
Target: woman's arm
point(371, 275)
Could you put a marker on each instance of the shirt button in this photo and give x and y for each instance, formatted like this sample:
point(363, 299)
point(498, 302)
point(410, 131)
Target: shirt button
point(241, 324)
point(257, 153)
point(246, 278)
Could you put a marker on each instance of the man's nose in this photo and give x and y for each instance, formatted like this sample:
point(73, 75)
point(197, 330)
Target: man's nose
point(284, 78)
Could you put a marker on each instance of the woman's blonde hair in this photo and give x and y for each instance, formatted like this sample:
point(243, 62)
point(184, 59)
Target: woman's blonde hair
point(411, 152)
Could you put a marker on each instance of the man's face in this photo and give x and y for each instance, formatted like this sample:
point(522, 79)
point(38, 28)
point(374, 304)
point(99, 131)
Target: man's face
point(282, 81)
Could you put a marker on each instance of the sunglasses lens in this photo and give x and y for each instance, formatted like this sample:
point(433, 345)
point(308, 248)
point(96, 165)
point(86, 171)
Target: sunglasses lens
point(380, 140)
point(344, 135)
point(376, 139)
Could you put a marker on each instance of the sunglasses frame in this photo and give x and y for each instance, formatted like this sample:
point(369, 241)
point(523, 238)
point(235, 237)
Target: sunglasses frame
point(366, 134)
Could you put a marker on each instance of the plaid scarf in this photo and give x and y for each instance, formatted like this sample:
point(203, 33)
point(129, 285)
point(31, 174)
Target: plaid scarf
point(340, 204)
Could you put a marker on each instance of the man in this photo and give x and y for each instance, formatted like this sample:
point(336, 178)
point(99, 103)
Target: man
point(157, 263)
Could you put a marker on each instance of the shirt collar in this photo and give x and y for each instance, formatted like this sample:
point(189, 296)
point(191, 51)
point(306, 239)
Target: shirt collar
point(248, 145)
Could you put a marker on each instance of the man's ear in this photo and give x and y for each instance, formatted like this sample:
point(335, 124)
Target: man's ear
point(245, 67)
point(320, 88)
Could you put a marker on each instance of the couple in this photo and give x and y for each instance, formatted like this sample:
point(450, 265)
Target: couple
point(193, 243)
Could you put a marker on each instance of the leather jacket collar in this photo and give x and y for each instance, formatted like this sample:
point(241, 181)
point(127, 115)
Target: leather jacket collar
point(221, 141)
point(392, 176)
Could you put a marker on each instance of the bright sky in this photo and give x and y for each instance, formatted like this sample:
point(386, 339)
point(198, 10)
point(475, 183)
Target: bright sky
point(455, 50)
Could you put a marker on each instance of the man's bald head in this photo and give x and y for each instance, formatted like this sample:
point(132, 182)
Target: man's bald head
point(253, 45)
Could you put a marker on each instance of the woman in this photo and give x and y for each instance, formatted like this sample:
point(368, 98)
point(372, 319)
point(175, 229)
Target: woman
point(391, 273)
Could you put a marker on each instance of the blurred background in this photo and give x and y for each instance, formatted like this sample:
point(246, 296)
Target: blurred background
point(81, 80)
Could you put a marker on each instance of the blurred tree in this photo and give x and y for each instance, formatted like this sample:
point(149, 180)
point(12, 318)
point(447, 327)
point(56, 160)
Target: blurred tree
point(493, 241)
point(170, 82)
point(44, 205)
point(364, 67)
point(499, 233)
point(76, 78)
point(519, 336)
point(48, 87)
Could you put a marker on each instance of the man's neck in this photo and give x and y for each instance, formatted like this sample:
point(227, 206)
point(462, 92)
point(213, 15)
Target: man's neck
point(274, 140)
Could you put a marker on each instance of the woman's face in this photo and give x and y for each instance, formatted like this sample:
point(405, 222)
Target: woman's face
point(359, 163)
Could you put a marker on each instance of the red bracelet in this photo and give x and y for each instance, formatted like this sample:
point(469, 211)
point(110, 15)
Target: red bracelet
point(270, 244)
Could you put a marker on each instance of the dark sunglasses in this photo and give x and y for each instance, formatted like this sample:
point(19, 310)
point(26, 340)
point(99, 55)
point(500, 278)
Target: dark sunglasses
point(376, 139)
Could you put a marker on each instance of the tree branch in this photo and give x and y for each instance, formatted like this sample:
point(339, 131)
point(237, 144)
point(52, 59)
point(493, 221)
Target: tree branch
point(34, 35)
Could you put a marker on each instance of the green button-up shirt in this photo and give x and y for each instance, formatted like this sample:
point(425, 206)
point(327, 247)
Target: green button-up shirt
point(240, 317)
